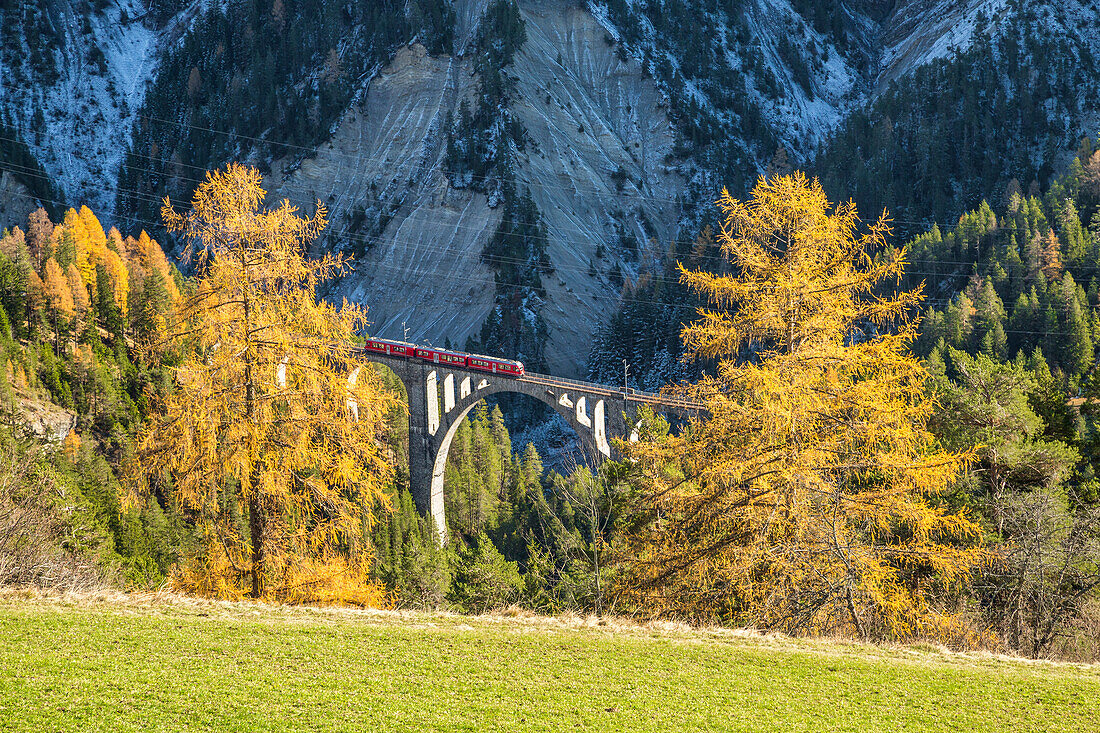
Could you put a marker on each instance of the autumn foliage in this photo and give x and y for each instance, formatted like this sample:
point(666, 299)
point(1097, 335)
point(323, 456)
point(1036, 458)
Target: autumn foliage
point(73, 278)
point(270, 439)
point(810, 497)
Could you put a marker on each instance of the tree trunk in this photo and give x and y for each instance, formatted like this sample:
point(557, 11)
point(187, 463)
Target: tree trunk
point(855, 616)
point(599, 589)
point(256, 518)
point(256, 522)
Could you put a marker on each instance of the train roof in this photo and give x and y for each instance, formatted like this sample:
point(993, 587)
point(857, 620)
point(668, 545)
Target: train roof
point(444, 351)
point(391, 341)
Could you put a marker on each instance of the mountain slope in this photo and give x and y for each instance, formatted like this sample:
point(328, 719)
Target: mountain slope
point(614, 123)
point(951, 101)
point(1012, 105)
point(74, 75)
point(594, 167)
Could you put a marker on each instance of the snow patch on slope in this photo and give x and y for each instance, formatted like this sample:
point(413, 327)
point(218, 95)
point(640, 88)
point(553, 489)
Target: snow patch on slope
point(79, 126)
point(923, 31)
point(802, 118)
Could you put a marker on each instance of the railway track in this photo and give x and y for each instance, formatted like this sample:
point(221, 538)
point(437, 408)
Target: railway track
point(628, 394)
point(400, 351)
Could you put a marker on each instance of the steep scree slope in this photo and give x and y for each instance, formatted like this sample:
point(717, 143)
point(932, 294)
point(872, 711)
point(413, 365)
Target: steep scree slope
point(596, 170)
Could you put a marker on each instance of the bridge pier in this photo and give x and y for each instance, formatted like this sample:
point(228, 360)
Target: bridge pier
point(420, 379)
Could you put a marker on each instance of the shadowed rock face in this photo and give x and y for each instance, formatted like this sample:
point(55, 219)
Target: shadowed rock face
point(418, 263)
point(16, 201)
point(590, 116)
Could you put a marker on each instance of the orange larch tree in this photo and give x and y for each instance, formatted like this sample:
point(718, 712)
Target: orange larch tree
point(274, 416)
point(809, 497)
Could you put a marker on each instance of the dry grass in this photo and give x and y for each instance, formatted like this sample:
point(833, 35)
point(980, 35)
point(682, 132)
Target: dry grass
point(1080, 641)
point(513, 619)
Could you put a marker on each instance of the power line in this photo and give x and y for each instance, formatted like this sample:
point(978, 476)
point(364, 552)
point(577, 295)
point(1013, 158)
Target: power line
point(654, 277)
point(624, 299)
point(357, 158)
point(369, 241)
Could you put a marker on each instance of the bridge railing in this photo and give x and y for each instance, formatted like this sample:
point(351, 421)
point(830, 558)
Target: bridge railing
point(628, 393)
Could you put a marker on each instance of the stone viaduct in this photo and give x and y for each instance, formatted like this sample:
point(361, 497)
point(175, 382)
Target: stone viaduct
point(440, 396)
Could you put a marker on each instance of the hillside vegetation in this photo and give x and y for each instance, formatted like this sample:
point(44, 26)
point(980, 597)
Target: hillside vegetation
point(838, 485)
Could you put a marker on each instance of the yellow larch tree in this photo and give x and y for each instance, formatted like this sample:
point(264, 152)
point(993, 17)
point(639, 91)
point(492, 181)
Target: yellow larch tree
point(145, 253)
point(58, 292)
point(95, 249)
point(81, 301)
point(36, 291)
point(275, 418)
point(87, 251)
point(92, 228)
point(119, 278)
point(152, 284)
point(808, 497)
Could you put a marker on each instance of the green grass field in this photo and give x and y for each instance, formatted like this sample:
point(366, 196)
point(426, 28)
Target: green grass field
point(163, 664)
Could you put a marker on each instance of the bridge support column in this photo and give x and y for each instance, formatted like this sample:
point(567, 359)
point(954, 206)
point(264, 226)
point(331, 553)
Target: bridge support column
point(423, 422)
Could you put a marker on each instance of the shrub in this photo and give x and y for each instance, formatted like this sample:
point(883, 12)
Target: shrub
point(483, 579)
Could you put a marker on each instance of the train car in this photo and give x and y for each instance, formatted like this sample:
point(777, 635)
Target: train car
point(400, 348)
point(482, 363)
point(447, 357)
point(511, 368)
point(375, 346)
point(439, 356)
point(391, 348)
point(442, 356)
point(495, 366)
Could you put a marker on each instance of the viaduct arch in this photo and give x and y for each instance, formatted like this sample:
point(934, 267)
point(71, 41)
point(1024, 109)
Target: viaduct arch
point(440, 397)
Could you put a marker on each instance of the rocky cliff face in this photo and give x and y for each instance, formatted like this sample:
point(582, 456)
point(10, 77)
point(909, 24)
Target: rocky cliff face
point(920, 31)
point(416, 241)
point(45, 420)
point(635, 113)
point(16, 200)
point(596, 170)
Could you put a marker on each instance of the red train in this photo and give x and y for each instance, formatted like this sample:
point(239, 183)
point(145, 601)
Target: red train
point(442, 356)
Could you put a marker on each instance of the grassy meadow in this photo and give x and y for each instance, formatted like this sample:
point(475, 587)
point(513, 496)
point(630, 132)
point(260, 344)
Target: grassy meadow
point(159, 663)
